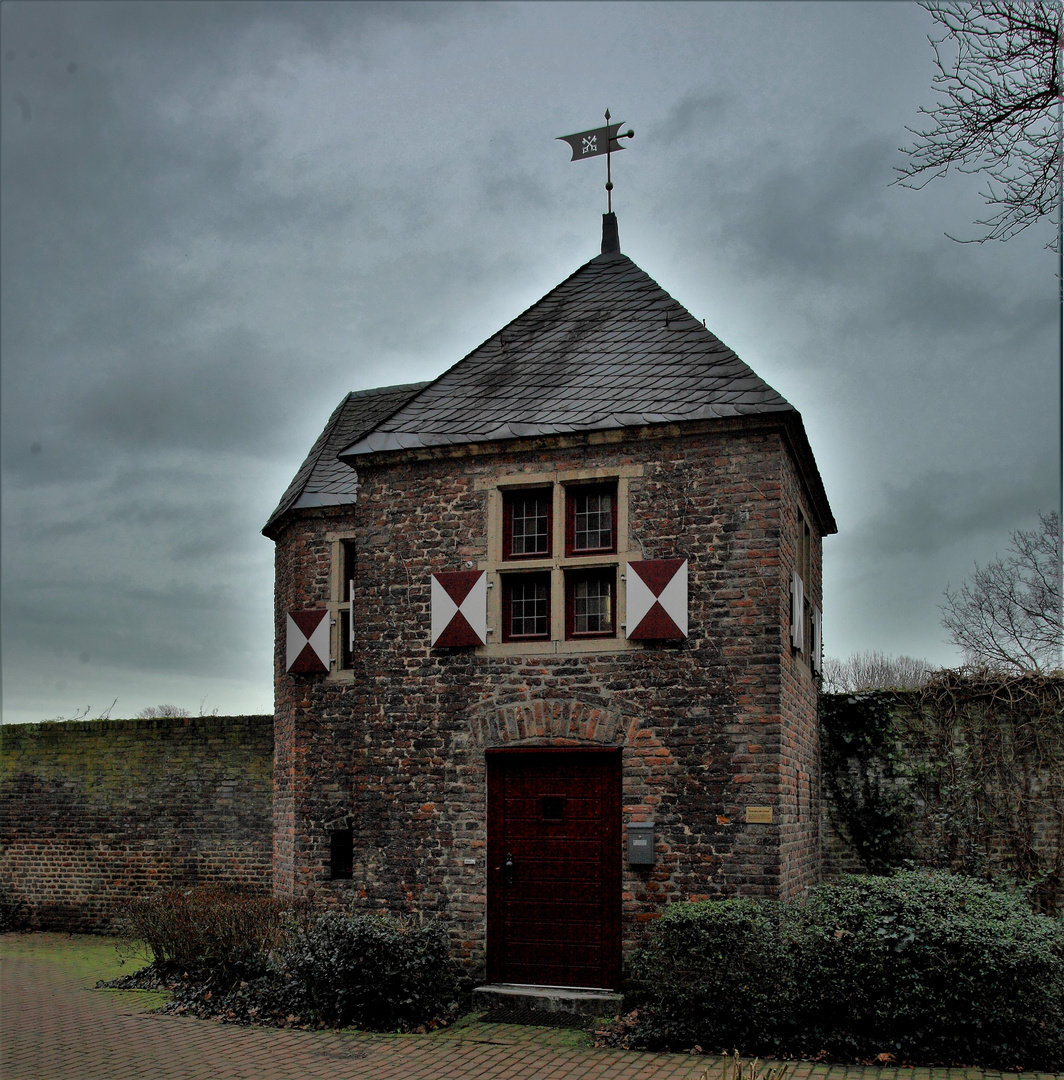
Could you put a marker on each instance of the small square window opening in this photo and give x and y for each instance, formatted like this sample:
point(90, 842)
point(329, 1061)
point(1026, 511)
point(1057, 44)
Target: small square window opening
point(591, 520)
point(527, 524)
point(589, 603)
point(526, 607)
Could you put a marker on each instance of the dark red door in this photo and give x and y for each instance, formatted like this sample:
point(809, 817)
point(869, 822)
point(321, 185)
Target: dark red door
point(554, 867)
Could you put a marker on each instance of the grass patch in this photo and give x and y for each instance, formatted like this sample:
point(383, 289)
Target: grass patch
point(85, 960)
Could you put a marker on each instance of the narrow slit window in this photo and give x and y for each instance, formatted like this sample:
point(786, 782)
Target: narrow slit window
point(341, 854)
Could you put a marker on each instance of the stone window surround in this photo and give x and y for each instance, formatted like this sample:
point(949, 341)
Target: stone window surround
point(495, 487)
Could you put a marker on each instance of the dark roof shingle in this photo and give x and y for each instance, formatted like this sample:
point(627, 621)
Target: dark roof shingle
point(607, 348)
point(324, 480)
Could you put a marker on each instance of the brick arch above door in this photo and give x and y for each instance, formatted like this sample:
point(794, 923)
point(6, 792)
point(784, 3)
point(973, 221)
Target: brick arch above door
point(544, 720)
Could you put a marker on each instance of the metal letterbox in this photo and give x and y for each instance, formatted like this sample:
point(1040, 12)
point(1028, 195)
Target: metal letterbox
point(640, 843)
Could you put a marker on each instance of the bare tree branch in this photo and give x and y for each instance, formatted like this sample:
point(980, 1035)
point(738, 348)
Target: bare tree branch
point(874, 671)
point(1008, 614)
point(999, 73)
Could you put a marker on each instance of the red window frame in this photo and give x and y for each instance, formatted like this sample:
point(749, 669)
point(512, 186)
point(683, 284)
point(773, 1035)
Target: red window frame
point(545, 496)
point(607, 574)
point(509, 581)
point(571, 495)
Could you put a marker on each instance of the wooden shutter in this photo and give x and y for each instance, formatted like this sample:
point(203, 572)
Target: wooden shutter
point(656, 600)
point(817, 644)
point(459, 609)
point(307, 642)
point(797, 611)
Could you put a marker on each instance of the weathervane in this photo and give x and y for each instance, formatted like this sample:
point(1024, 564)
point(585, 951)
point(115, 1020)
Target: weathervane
point(603, 140)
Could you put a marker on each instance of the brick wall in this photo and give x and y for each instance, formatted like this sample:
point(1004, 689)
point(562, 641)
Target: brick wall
point(397, 752)
point(95, 812)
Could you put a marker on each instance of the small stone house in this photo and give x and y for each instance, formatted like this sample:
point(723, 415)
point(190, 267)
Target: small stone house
point(548, 634)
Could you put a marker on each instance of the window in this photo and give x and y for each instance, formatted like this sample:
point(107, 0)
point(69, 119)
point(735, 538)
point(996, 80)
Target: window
point(527, 524)
point(525, 607)
point(554, 548)
point(591, 520)
point(590, 603)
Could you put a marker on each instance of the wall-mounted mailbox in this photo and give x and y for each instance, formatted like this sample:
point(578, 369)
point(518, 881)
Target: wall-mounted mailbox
point(640, 843)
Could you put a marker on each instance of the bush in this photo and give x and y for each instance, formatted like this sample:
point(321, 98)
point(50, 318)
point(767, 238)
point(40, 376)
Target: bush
point(716, 976)
point(377, 972)
point(215, 934)
point(928, 967)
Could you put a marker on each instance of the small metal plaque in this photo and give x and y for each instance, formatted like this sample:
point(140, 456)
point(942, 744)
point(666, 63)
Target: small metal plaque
point(759, 815)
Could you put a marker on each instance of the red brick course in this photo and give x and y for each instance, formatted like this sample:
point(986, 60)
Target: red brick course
point(93, 813)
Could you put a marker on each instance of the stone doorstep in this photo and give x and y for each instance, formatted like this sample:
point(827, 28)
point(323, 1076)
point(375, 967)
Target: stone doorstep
point(584, 1002)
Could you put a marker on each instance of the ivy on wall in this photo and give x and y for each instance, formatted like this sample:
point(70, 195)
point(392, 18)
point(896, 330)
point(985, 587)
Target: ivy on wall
point(965, 773)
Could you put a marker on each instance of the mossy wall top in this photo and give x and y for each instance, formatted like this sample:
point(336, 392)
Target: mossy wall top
point(94, 812)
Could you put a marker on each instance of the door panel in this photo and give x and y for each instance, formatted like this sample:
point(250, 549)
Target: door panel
point(554, 912)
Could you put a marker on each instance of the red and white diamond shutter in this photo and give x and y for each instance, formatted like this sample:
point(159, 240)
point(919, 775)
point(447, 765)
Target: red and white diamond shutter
point(459, 609)
point(307, 642)
point(656, 598)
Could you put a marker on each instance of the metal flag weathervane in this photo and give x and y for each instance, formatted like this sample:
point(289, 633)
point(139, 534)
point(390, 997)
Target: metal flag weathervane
point(603, 140)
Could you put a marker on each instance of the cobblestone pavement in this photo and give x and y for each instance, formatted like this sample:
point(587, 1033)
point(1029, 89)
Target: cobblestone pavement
point(53, 1026)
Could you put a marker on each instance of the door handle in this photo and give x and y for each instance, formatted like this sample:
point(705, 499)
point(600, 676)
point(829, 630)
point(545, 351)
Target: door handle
point(508, 870)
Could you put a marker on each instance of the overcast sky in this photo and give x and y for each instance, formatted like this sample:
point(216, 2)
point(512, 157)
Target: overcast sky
point(219, 218)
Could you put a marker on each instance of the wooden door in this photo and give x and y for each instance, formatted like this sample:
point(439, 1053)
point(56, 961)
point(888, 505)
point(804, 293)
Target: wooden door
point(554, 867)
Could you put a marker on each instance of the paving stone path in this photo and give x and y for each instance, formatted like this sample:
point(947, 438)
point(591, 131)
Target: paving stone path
point(53, 1026)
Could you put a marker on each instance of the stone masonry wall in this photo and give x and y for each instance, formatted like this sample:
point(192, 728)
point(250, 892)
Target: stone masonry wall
point(799, 801)
point(971, 769)
point(95, 812)
point(396, 753)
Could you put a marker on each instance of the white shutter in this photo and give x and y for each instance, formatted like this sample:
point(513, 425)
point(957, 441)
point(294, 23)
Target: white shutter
point(307, 642)
point(459, 609)
point(656, 600)
point(797, 611)
point(818, 640)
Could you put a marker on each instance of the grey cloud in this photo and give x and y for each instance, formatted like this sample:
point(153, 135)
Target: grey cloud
point(929, 512)
point(166, 629)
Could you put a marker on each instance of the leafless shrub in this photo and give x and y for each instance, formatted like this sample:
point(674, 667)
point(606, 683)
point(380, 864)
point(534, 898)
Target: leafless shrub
point(874, 671)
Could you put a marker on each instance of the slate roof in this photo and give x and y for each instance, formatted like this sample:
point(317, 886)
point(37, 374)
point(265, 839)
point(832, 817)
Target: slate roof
point(324, 480)
point(607, 348)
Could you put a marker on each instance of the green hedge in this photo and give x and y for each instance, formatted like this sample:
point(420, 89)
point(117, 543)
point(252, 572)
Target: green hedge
point(718, 975)
point(930, 968)
point(375, 972)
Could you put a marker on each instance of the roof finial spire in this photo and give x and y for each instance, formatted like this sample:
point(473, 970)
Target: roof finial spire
point(602, 140)
point(611, 242)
